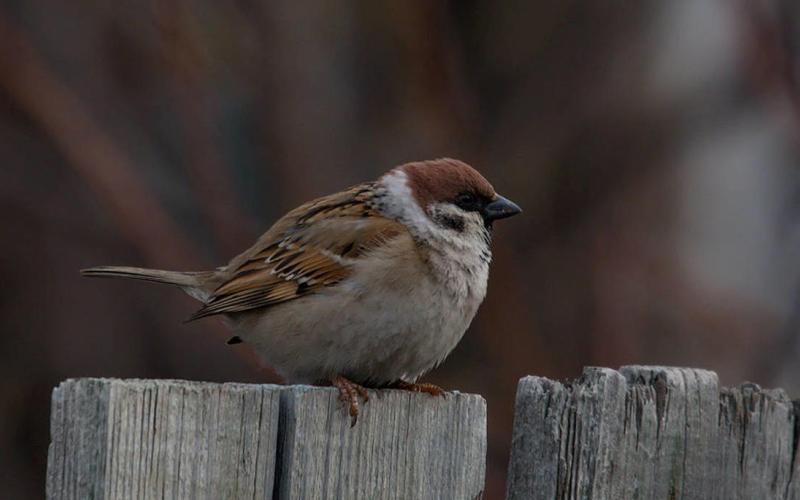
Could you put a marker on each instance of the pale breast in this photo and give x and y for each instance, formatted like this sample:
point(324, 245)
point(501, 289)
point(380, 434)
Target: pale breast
point(399, 314)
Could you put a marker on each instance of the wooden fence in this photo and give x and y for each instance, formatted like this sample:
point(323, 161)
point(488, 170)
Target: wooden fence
point(652, 433)
point(638, 433)
point(119, 439)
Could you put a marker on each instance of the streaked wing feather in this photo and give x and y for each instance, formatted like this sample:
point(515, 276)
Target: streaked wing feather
point(312, 247)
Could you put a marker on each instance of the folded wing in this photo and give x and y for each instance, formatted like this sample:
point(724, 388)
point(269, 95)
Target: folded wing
point(312, 247)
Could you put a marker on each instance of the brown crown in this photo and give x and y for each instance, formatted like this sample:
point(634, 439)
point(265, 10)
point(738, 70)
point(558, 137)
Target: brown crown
point(443, 179)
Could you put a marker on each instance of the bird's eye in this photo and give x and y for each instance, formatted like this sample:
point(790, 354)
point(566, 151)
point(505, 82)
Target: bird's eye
point(467, 201)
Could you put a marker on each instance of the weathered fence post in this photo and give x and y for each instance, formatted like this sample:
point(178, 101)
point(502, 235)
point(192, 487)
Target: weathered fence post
point(652, 433)
point(174, 439)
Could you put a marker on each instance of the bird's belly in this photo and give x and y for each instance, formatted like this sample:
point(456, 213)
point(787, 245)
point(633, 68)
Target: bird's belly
point(372, 338)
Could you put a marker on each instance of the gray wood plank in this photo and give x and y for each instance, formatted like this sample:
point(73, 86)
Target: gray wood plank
point(652, 433)
point(404, 446)
point(162, 438)
point(174, 439)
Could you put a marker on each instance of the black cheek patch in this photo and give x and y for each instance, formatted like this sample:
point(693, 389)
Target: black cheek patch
point(453, 222)
point(234, 340)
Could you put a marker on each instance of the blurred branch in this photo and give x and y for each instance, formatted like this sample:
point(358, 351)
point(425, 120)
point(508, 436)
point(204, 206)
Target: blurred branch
point(773, 64)
point(773, 41)
point(188, 82)
point(89, 150)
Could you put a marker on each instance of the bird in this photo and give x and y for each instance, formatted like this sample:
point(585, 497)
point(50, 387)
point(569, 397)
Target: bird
point(370, 287)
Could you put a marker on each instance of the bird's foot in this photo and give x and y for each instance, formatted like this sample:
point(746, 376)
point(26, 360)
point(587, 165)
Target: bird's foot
point(432, 389)
point(349, 393)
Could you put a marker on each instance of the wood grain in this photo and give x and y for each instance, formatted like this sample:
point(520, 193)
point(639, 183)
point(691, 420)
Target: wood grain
point(173, 439)
point(652, 433)
point(162, 439)
point(405, 445)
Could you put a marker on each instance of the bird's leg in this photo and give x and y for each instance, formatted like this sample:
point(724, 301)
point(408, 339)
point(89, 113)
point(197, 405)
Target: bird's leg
point(349, 392)
point(432, 389)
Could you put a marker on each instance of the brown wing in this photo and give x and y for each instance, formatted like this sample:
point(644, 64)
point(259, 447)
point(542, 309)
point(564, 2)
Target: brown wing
point(312, 247)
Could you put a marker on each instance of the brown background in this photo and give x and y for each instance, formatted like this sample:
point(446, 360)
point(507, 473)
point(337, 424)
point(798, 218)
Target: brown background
point(653, 145)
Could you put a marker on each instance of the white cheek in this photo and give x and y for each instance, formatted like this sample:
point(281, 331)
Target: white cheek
point(401, 204)
point(468, 247)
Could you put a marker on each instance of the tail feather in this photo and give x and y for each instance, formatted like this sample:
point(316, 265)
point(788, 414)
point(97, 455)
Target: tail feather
point(138, 273)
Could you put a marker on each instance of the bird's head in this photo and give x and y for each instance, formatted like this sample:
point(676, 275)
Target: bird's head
point(445, 193)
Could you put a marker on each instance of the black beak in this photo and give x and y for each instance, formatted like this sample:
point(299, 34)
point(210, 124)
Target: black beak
point(500, 208)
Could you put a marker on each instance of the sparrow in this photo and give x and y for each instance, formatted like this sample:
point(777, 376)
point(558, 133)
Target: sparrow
point(372, 286)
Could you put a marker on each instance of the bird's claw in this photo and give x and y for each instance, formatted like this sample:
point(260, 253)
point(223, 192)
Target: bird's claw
point(349, 392)
point(432, 389)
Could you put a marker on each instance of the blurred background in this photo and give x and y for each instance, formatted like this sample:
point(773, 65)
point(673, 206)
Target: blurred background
point(654, 145)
